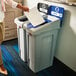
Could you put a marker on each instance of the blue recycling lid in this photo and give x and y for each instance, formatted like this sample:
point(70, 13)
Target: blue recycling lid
point(56, 11)
point(31, 26)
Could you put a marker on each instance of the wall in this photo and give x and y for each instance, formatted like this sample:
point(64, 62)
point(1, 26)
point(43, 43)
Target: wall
point(31, 3)
point(66, 44)
point(66, 47)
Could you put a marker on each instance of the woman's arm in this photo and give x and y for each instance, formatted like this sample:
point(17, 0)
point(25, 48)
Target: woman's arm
point(22, 7)
point(14, 4)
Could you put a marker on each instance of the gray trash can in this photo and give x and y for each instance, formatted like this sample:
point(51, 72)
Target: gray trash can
point(40, 41)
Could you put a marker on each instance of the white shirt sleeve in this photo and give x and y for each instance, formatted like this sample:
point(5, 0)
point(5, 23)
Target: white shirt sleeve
point(12, 3)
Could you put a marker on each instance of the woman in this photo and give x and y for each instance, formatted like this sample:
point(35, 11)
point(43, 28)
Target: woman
point(13, 4)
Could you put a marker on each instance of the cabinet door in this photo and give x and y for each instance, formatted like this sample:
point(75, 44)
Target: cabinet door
point(10, 15)
point(9, 20)
point(10, 34)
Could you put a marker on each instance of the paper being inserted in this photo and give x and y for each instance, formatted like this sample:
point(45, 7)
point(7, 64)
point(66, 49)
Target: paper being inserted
point(34, 17)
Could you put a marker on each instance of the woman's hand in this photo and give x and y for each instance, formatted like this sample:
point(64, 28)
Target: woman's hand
point(24, 8)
